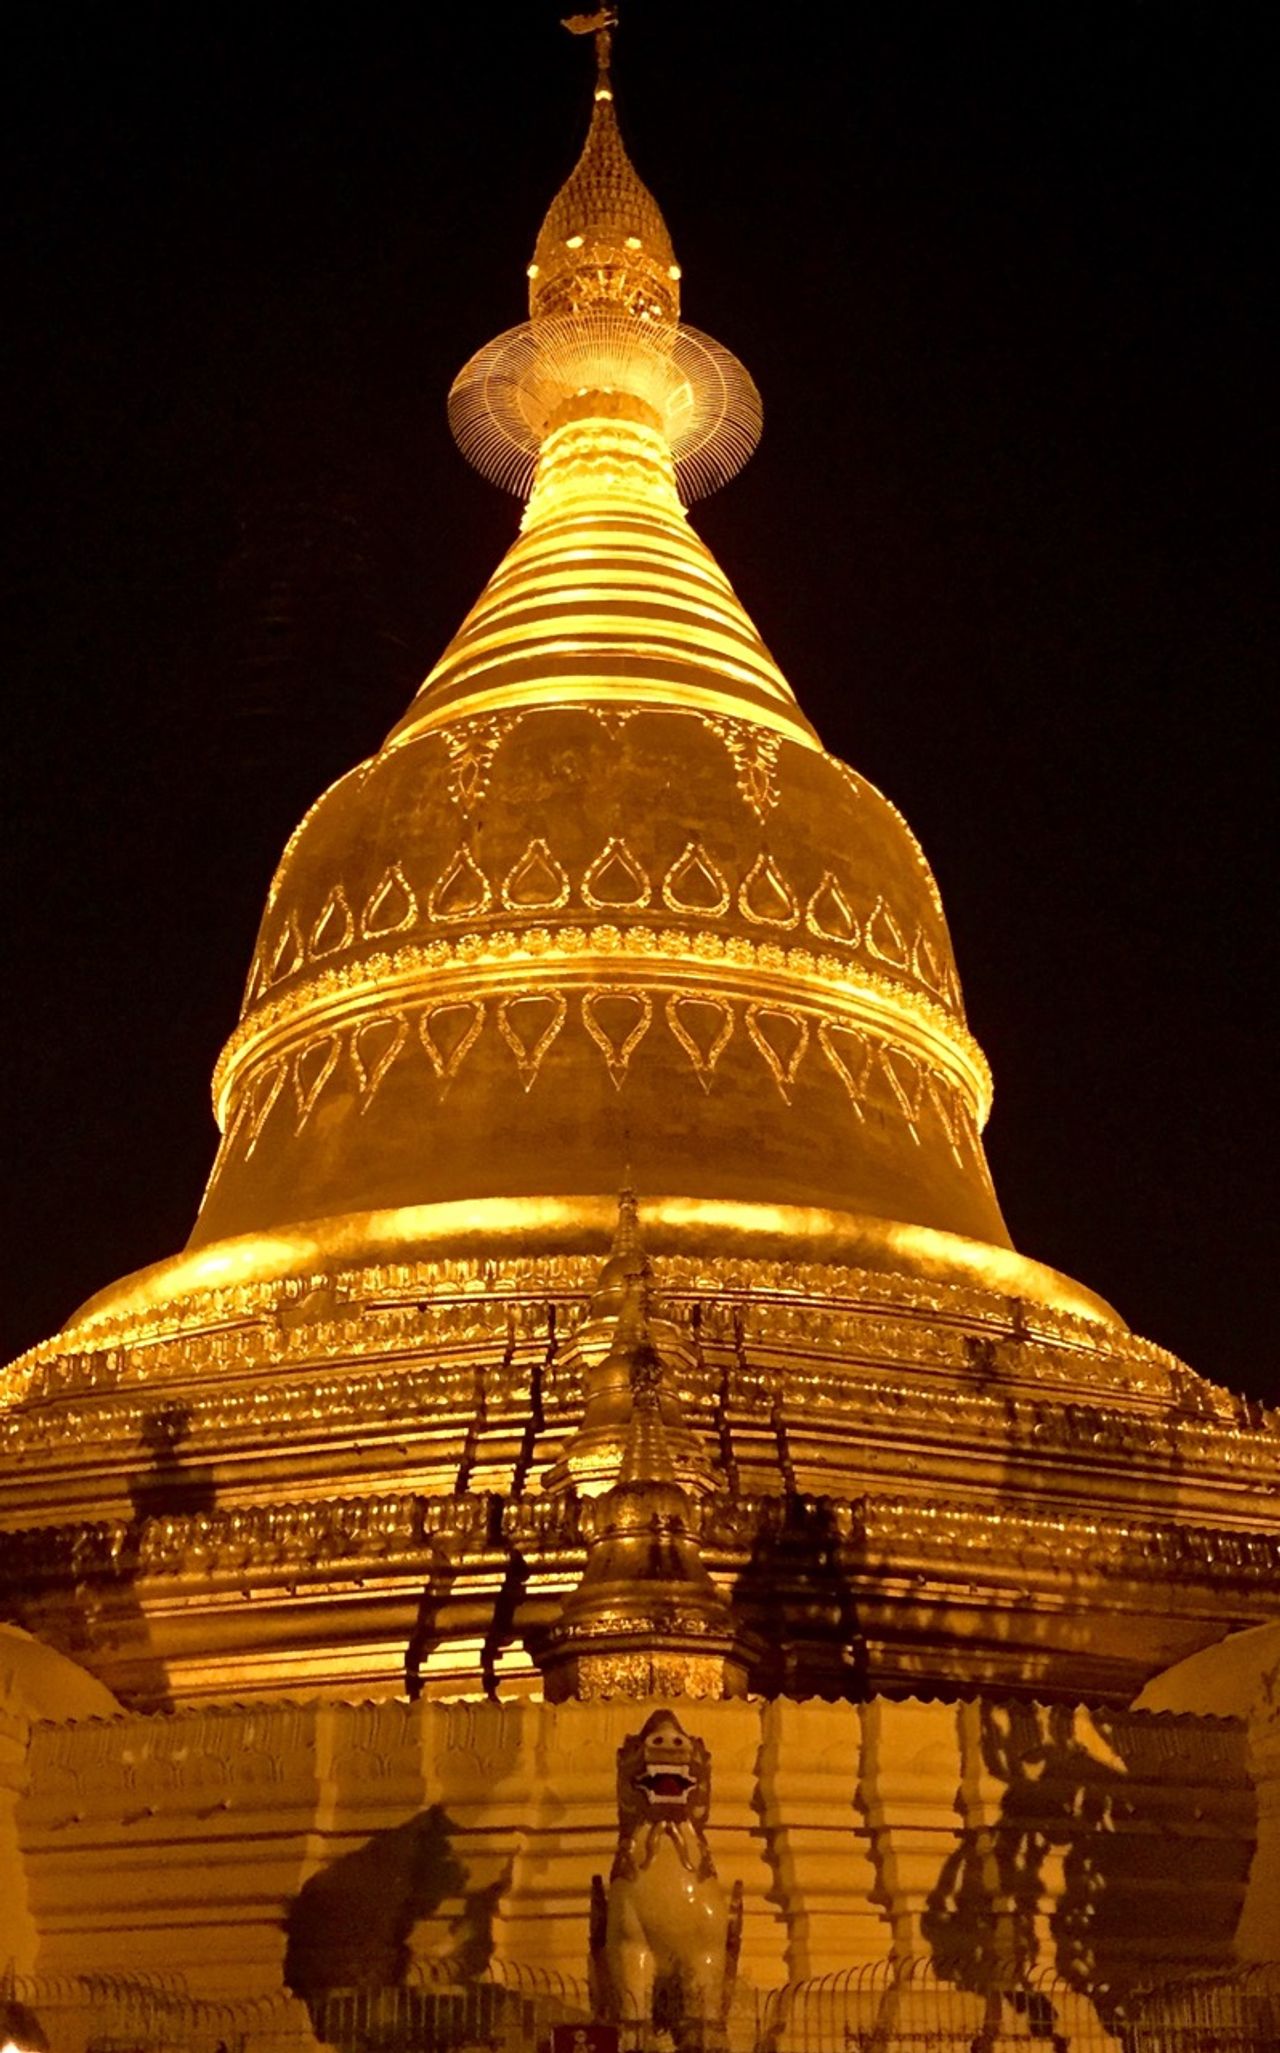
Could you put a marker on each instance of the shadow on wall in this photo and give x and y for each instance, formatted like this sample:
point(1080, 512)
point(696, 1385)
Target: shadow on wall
point(1076, 1853)
point(77, 1589)
point(168, 1486)
point(795, 1594)
point(351, 1925)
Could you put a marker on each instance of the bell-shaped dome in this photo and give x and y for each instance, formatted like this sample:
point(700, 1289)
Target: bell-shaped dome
point(602, 905)
point(603, 898)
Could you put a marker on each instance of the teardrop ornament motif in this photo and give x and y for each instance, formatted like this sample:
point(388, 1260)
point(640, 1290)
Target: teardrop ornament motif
point(927, 964)
point(449, 1032)
point(947, 1112)
point(616, 880)
point(392, 906)
point(704, 1028)
point(617, 1019)
point(849, 1054)
point(374, 1047)
point(781, 1038)
point(765, 897)
point(335, 928)
point(696, 884)
point(528, 1025)
point(906, 1081)
point(830, 915)
point(312, 1068)
point(286, 956)
point(265, 1092)
point(537, 882)
point(885, 938)
point(462, 891)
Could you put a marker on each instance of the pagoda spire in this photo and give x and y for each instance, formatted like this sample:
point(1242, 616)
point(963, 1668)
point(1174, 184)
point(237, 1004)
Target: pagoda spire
point(618, 1330)
point(604, 324)
point(646, 1618)
point(609, 413)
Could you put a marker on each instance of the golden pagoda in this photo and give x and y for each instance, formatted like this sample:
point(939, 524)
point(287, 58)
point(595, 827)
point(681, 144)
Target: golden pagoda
point(600, 1307)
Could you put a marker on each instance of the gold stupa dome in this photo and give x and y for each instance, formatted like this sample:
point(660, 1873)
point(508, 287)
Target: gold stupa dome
point(602, 899)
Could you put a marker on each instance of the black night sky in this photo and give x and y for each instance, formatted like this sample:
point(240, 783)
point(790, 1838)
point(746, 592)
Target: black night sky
point(998, 271)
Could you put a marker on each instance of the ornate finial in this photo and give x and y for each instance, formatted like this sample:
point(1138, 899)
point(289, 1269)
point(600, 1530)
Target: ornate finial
point(601, 25)
point(604, 338)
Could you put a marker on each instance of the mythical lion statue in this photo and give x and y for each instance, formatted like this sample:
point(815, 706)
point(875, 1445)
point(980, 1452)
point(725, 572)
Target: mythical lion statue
point(664, 1937)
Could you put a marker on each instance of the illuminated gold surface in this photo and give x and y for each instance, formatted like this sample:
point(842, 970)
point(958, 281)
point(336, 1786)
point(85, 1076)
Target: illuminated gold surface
point(419, 1412)
point(603, 908)
point(546, 1225)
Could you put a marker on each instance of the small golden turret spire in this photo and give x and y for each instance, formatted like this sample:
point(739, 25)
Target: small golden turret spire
point(646, 1618)
point(619, 1326)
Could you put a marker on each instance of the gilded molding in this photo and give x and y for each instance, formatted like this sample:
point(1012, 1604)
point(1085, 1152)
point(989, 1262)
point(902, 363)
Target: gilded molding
point(426, 1304)
point(884, 1538)
point(880, 1003)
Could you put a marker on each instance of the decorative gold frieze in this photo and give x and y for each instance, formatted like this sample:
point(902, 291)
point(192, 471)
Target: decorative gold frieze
point(873, 1536)
point(808, 989)
point(217, 1330)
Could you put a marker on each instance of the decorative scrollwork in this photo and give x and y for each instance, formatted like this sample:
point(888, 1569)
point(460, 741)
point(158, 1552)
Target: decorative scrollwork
point(375, 1043)
point(537, 882)
point(334, 929)
point(313, 1065)
point(765, 897)
point(461, 891)
point(830, 915)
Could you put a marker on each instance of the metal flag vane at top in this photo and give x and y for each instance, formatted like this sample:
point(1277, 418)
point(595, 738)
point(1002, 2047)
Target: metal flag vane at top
point(601, 25)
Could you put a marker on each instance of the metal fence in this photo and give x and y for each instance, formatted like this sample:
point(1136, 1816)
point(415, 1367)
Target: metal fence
point(900, 2006)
